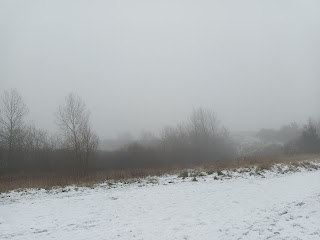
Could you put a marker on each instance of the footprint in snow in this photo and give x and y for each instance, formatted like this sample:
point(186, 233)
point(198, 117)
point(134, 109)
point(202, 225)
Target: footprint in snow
point(283, 213)
point(300, 204)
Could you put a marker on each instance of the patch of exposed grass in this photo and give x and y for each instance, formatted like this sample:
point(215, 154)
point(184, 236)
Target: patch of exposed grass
point(220, 173)
point(184, 174)
point(210, 172)
point(152, 180)
point(249, 164)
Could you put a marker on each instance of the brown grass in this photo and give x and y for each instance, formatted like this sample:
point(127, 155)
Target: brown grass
point(50, 180)
point(262, 163)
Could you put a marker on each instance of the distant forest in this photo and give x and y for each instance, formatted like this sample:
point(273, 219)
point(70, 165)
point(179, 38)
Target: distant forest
point(74, 148)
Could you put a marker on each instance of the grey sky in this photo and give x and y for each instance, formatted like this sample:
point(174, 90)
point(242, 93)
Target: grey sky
point(146, 64)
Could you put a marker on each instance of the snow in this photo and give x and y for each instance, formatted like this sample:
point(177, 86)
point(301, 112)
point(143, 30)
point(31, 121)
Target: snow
point(246, 206)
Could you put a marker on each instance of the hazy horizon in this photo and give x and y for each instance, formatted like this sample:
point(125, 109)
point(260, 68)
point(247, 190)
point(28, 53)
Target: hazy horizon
point(143, 65)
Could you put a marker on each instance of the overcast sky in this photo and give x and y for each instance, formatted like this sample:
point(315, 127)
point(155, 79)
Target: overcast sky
point(142, 65)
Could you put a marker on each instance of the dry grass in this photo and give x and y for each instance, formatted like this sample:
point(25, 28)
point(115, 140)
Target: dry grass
point(50, 180)
point(184, 174)
point(262, 163)
point(47, 181)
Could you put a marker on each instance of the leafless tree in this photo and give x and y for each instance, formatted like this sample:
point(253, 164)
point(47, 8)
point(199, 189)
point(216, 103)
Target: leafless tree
point(208, 141)
point(35, 139)
point(174, 139)
point(73, 121)
point(203, 123)
point(13, 111)
point(203, 130)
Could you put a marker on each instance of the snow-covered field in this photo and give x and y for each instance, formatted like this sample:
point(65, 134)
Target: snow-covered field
point(246, 206)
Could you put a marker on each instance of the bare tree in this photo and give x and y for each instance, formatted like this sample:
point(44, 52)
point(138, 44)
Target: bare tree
point(73, 121)
point(35, 139)
point(174, 139)
point(208, 141)
point(89, 145)
point(317, 124)
point(203, 123)
point(203, 129)
point(13, 111)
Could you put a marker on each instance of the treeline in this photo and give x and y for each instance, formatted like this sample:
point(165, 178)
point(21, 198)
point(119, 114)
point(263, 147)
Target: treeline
point(23, 147)
point(307, 142)
point(290, 139)
point(73, 149)
point(284, 135)
point(200, 140)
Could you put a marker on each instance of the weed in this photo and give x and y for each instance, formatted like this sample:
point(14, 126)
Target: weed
point(220, 173)
point(153, 181)
point(184, 174)
point(210, 172)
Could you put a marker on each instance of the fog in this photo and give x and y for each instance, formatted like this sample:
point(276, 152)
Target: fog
point(143, 65)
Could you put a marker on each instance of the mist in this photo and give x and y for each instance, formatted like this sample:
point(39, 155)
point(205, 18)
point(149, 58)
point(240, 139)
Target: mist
point(168, 119)
point(143, 65)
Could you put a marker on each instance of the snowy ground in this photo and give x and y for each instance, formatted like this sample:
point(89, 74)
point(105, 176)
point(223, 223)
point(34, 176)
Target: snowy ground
point(246, 206)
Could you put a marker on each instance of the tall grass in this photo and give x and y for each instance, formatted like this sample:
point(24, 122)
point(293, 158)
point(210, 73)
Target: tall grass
point(49, 180)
